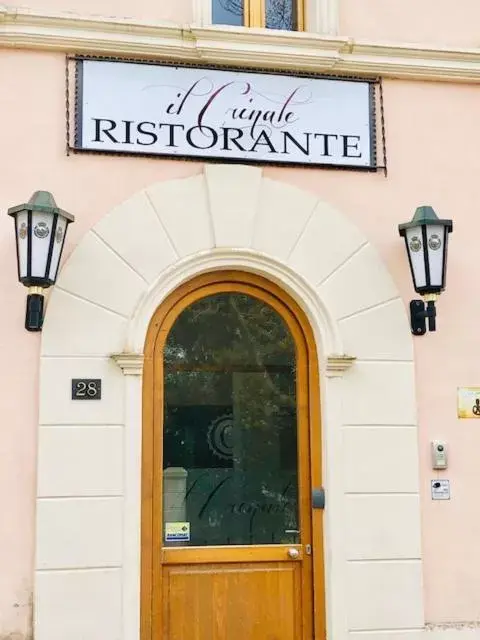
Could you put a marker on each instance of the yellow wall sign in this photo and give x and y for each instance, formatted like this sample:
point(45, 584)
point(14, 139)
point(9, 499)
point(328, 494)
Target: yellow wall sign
point(177, 531)
point(468, 402)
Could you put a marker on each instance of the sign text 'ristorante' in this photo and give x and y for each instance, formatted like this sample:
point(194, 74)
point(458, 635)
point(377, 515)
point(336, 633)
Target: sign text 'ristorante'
point(211, 113)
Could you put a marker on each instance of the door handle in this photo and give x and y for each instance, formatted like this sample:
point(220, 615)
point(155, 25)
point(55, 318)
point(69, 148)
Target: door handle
point(293, 553)
point(318, 498)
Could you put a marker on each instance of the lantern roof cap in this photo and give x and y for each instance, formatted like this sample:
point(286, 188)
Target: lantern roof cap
point(43, 202)
point(424, 215)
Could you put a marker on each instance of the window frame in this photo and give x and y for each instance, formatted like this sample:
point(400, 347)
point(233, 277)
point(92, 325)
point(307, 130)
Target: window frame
point(255, 14)
point(319, 16)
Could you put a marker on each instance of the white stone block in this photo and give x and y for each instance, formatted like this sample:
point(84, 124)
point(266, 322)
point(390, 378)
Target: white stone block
point(382, 527)
point(379, 393)
point(95, 272)
point(380, 460)
point(133, 230)
point(384, 595)
point(56, 404)
point(80, 461)
point(182, 206)
point(78, 605)
point(282, 214)
point(233, 192)
point(326, 242)
point(360, 283)
point(381, 333)
point(410, 634)
point(79, 328)
point(75, 533)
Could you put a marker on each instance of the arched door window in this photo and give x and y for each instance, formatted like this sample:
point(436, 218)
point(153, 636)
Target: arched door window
point(230, 424)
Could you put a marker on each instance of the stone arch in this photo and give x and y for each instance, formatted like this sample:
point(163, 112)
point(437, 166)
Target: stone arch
point(226, 217)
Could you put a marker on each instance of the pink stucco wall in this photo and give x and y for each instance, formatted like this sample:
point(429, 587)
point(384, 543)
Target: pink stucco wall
point(179, 11)
point(430, 21)
point(433, 142)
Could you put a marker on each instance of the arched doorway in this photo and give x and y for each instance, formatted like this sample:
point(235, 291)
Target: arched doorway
point(90, 453)
point(231, 548)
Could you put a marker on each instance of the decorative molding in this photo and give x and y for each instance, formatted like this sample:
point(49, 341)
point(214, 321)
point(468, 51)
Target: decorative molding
point(337, 365)
point(225, 258)
point(236, 46)
point(130, 363)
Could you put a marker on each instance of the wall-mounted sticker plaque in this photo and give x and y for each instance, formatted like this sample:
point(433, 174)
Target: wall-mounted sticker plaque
point(441, 489)
point(86, 389)
point(468, 402)
point(139, 108)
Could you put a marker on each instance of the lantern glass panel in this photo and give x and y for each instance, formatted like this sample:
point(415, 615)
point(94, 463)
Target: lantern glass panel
point(41, 237)
point(21, 221)
point(436, 249)
point(416, 252)
point(58, 241)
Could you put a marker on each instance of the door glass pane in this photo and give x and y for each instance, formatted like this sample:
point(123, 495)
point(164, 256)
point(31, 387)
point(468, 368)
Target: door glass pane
point(228, 12)
point(230, 424)
point(281, 14)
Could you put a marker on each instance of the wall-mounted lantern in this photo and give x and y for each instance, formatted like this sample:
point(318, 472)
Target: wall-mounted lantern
point(426, 240)
point(40, 229)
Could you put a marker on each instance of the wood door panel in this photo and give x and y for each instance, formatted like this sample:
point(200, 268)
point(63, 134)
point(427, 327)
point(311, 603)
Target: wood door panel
point(202, 555)
point(235, 601)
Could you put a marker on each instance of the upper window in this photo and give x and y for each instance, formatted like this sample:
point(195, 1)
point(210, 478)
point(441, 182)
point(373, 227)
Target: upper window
point(272, 14)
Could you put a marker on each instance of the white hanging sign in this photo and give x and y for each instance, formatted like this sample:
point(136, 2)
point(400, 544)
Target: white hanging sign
point(233, 115)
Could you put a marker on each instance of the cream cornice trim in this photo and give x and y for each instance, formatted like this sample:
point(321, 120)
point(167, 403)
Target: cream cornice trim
point(337, 365)
point(24, 29)
point(130, 363)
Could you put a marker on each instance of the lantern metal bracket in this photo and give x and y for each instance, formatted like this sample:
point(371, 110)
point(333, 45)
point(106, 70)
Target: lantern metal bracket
point(419, 312)
point(34, 313)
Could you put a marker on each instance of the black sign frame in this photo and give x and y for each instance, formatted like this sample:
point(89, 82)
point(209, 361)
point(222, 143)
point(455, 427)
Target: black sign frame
point(86, 389)
point(375, 104)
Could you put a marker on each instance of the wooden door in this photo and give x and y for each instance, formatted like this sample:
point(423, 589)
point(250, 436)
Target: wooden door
point(231, 549)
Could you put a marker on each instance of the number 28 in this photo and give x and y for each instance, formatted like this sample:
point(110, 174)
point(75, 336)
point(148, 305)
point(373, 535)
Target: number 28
point(89, 389)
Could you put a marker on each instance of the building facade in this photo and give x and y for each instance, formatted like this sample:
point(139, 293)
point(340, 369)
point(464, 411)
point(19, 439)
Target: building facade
point(258, 462)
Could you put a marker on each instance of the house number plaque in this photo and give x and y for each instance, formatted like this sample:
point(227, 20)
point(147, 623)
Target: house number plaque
point(86, 389)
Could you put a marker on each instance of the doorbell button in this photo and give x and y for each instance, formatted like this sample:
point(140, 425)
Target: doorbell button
point(439, 455)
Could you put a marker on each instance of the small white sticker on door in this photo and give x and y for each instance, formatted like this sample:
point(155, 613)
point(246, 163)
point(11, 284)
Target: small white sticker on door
point(177, 531)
